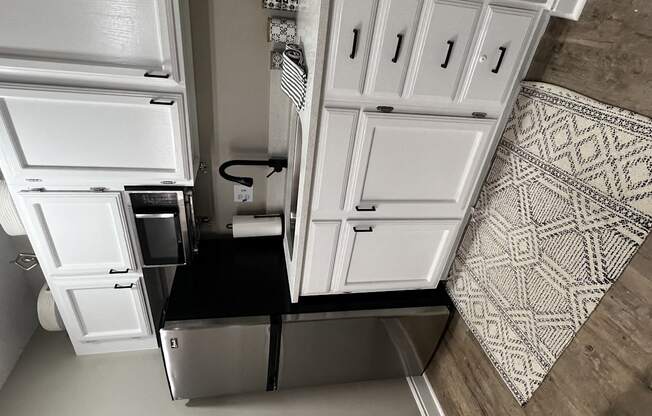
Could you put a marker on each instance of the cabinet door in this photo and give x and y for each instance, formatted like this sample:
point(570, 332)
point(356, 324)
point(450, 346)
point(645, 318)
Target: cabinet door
point(106, 309)
point(321, 250)
point(442, 47)
point(351, 32)
point(392, 255)
point(395, 30)
point(334, 153)
point(499, 55)
point(129, 38)
point(77, 136)
point(78, 232)
point(418, 166)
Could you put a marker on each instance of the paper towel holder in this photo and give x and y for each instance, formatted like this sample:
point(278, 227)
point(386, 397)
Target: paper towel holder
point(26, 261)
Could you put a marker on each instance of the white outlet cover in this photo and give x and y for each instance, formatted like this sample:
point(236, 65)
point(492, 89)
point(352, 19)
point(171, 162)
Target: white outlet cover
point(243, 193)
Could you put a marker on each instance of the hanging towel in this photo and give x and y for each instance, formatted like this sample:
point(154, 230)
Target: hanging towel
point(294, 78)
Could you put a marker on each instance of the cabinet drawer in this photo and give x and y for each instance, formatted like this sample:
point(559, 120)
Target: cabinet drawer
point(108, 309)
point(498, 56)
point(91, 137)
point(99, 38)
point(395, 254)
point(393, 39)
point(442, 48)
point(77, 233)
point(350, 39)
point(418, 166)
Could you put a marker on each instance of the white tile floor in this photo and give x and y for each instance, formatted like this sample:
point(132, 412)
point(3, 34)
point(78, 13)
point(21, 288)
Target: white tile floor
point(50, 380)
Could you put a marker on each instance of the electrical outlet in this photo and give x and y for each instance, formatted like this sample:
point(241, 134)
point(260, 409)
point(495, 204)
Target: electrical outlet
point(243, 193)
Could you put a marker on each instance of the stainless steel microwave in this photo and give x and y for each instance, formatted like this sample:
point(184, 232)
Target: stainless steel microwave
point(165, 224)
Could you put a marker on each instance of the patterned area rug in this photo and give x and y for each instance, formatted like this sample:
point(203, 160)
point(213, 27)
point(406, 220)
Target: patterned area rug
point(566, 205)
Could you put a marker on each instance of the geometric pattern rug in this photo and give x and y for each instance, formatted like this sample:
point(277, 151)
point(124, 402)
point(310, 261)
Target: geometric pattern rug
point(564, 208)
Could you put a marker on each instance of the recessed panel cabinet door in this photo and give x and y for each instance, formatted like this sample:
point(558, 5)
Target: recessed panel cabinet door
point(127, 38)
point(395, 30)
point(418, 166)
point(351, 31)
point(91, 137)
point(78, 232)
point(502, 45)
point(101, 310)
point(395, 254)
point(442, 48)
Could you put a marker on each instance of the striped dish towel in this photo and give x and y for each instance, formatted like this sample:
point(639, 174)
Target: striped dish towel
point(294, 79)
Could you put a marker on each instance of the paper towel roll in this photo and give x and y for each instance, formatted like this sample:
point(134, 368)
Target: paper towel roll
point(256, 225)
point(9, 219)
point(48, 315)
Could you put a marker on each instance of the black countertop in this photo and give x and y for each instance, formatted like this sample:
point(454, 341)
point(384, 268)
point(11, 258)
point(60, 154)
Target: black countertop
point(247, 277)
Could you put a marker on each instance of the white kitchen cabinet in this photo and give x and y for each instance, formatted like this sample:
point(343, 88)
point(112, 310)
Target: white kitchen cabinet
point(498, 55)
point(396, 26)
point(441, 49)
point(77, 233)
point(352, 27)
point(106, 309)
point(337, 136)
point(75, 136)
point(101, 38)
point(321, 256)
point(395, 254)
point(413, 166)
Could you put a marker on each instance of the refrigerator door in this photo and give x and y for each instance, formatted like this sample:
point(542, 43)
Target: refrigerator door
point(351, 346)
point(208, 358)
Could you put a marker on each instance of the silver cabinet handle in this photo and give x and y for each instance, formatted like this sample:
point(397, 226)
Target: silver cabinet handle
point(114, 271)
point(159, 101)
point(162, 215)
point(157, 74)
point(363, 230)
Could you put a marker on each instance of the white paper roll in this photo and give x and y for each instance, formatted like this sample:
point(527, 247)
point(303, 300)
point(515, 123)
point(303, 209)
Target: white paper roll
point(9, 219)
point(48, 315)
point(256, 225)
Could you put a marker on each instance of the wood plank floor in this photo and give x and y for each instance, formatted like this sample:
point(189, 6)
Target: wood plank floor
point(606, 370)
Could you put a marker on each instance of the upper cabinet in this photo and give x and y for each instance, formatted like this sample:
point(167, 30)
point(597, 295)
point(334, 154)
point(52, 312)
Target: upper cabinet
point(452, 55)
point(498, 55)
point(396, 25)
point(351, 28)
point(79, 136)
point(128, 39)
point(442, 48)
point(78, 233)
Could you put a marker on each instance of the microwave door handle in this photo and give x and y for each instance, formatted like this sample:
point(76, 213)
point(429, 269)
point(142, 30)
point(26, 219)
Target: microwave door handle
point(164, 215)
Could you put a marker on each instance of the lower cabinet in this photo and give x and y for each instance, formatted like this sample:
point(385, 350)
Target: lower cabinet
point(376, 255)
point(103, 309)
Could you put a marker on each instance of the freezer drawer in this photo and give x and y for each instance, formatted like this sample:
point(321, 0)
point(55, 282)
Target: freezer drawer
point(207, 358)
point(350, 346)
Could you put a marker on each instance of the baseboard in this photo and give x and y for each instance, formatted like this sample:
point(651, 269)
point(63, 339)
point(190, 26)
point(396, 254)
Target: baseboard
point(425, 396)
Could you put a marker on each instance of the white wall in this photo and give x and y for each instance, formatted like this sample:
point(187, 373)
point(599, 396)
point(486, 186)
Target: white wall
point(233, 82)
point(18, 293)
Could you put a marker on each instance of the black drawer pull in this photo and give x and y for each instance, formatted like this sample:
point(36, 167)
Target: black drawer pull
point(500, 60)
point(371, 208)
point(398, 47)
point(129, 286)
point(114, 271)
point(363, 230)
point(354, 48)
point(158, 101)
point(151, 74)
point(448, 54)
point(385, 109)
